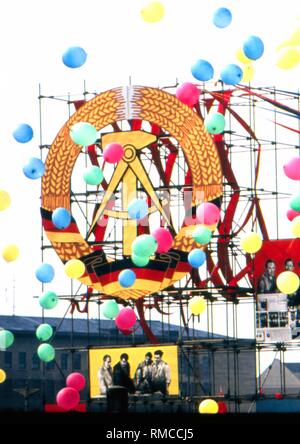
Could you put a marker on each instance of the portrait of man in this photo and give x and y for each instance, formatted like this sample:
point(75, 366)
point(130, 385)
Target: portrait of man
point(161, 374)
point(105, 375)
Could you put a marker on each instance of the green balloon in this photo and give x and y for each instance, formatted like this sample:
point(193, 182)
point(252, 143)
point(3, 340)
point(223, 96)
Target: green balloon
point(202, 235)
point(93, 175)
point(48, 300)
point(46, 352)
point(215, 123)
point(295, 202)
point(140, 261)
point(144, 245)
point(83, 133)
point(110, 309)
point(44, 332)
point(6, 339)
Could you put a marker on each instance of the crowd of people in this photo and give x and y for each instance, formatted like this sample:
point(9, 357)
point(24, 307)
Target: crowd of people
point(151, 376)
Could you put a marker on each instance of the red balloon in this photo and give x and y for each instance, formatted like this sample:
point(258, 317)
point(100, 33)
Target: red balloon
point(76, 380)
point(163, 238)
point(208, 213)
point(292, 168)
point(67, 398)
point(188, 93)
point(291, 214)
point(113, 153)
point(222, 407)
point(125, 319)
point(278, 396)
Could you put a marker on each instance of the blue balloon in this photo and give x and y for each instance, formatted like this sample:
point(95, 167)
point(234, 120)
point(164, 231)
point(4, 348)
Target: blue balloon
point(231, 74)
point(61, 218)
point(222, 18)
point(127, 278)
point(74, 57)
point(196, 258)
point(23, 133)
point(253, 47)
point(45, 273)
point(202, 70)
point(34, 169)
point(137, 209)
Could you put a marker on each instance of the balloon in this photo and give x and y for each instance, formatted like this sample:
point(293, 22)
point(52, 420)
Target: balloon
point(296, 226)
point(10, 253)
point(292, 168)
point(44, 332)
point(46, 352)
point(209, 406)
point(2, 376)
point(153, 12)
point(74, 57)
point(93, 175)
point(83, 133)
point(48, 300)
point(6, 339)
point(291, 214)
point(113, 153)
point(215, 123)
point(125, 319)
point(137, 209)
point(76, 381)
point(202, 70)
point(188, 93)
point(240, 55)
point(287, 282)
point(208, 213)
point(289, 58)
point(127, 278)
point(74, 268)
point(45, 273)
point(163, 238)
point(140, 261)
point(248, 74)
point(222, 18)
point(196, 258)
point(222, 406)
point(295, 202)
point(202, 235)
point(67, 398)
point(110, 309)
point(144, 245)
point(4, 200)
point(23, 133)
point(197, 305)
point(61, 218)
point(34, 169)
point(231, 74)
point(251, 242)
point(253, 47)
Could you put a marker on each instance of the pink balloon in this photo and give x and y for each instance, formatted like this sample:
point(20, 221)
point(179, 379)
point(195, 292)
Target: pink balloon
point(163, 238)
point(291, 214)
point(188, 93)
point(67, 398)
point(125, 319)
point(292, 168)
point(208, 213)
point(113, 153)
point(76, 381)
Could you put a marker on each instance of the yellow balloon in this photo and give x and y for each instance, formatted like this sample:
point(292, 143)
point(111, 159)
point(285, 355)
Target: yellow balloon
point(153, 12)
point(295, 38)
point(248, 73)
point(296, 226)
point(2, 376)
point(240, 55)
point(4, 200)
point(287, 282)
point(289, 58)
point(10, 253)
point(197, 305)
point(74, 268)
point(209, 406)
point(251, 242)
